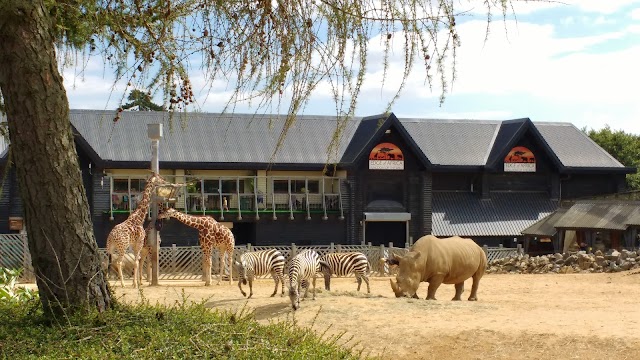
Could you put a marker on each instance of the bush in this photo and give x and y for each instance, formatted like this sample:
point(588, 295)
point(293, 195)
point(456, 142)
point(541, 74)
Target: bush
point(9, 292)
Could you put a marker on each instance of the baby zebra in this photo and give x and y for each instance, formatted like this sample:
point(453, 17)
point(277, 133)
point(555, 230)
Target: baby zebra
point(260, 263)
point(343, 264)
point(303, 267)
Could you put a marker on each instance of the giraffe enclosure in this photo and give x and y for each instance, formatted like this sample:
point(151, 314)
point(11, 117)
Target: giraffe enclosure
point(542, 316)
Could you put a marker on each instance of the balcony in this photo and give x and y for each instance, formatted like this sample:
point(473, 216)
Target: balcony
point(231, 198)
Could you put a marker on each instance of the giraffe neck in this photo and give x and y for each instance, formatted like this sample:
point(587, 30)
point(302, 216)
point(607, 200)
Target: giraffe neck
point(139, 214)
point(186, 219)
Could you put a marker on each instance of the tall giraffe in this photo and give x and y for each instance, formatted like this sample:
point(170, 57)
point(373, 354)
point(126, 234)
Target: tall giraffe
point(131, 233)
point(211, 234)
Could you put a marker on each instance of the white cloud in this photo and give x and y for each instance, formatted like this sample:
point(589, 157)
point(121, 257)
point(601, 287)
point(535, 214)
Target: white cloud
point(601, 6)
point(635, 14)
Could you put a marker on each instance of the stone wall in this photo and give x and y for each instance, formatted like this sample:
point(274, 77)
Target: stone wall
point(577, 262)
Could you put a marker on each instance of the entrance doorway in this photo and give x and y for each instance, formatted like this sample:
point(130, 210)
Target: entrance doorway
point(384, 232)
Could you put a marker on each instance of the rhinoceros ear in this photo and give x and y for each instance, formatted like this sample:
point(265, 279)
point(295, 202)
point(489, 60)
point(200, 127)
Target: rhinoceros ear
point(392, 261)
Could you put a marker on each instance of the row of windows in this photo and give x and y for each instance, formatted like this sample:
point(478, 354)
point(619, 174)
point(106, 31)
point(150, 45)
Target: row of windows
point(225, 186)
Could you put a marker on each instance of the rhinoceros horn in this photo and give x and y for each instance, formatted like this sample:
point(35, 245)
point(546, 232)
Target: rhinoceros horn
point(395, 288)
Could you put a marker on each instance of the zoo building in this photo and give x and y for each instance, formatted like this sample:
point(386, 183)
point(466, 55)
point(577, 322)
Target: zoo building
point(382, 180)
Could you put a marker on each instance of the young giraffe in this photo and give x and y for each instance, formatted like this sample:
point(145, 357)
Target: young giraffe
point(211, 234)
point(131, 233)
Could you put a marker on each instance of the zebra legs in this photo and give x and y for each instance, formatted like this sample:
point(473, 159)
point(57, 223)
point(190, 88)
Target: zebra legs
point(277, 278)
point(366, 280)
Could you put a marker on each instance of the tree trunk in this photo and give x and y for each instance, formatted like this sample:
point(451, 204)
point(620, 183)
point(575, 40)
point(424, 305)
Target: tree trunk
point(63, 248)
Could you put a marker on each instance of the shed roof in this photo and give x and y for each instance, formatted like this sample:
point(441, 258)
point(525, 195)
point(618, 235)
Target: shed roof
point(604, 215)
point(546, 225)
point(504, 214)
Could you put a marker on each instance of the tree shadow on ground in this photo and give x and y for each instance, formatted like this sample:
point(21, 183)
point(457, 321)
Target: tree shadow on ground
point(271, 310)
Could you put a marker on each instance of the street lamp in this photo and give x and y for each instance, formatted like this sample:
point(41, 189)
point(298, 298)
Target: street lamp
point(154, 131)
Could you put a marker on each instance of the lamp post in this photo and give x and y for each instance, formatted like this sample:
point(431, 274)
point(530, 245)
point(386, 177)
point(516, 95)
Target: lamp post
point(154, 131)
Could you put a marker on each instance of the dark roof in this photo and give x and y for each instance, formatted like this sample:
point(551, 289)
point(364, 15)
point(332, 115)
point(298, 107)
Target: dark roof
point(214, 138)
point(453, 142)
point(507, 134)
point(198, 140)
point(504, 214)
point(604, 215)
point(574, 148)
point(363, 136)
point(546, 226)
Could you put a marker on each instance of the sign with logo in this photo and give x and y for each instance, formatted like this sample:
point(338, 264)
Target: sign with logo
point(386, 156)
point(520, 159)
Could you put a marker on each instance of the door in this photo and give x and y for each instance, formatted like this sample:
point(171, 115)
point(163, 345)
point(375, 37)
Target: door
point(384, 232)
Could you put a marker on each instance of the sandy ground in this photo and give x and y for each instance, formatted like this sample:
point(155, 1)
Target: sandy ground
point(569, 316)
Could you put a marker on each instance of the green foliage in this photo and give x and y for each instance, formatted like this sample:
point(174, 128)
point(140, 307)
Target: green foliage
point(154, 332)
point(625, 147)
point(9, 292)
point(142, 101)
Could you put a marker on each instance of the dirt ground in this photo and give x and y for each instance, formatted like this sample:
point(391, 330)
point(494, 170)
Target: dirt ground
point(568, 316)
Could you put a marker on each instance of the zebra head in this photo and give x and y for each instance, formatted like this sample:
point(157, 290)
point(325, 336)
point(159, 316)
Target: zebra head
point(294, 295)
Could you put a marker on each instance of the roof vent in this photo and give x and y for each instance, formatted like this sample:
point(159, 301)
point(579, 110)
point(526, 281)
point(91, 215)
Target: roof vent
point(388, 131)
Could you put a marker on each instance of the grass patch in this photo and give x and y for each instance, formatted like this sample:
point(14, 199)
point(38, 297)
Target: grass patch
point(187, 330)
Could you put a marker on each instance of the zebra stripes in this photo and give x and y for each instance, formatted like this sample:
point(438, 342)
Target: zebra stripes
point(343, 264)
point(303, 267)
point(260, 263)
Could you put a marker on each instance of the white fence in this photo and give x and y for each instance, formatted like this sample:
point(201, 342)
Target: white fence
point(185, 263)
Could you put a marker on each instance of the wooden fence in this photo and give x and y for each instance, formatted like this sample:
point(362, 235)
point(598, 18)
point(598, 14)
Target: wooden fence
point(185, 262)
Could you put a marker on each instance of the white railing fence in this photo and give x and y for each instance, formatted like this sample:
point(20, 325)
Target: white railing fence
point(185, 262)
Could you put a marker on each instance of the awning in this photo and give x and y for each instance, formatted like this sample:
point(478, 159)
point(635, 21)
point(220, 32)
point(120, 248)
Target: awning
point(546, 226)
point(504, 214)
point(603, 215)
point(387, 216)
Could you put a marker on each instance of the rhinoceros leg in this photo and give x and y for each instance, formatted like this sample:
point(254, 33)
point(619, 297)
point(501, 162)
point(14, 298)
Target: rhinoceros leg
point(476, 281)
point(459, 291)
point(434, 283)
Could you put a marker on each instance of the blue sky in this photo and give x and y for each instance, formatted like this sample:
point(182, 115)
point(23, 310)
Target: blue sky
point(574, 62)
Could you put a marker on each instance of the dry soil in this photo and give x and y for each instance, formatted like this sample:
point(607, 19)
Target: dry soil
point(550, 316)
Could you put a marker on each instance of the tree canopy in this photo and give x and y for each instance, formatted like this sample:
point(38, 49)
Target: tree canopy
point(141, 101)
point(623, 146)
point(274, 53)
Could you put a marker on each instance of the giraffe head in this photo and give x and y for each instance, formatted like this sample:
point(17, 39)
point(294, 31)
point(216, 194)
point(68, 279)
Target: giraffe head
point(167, 213)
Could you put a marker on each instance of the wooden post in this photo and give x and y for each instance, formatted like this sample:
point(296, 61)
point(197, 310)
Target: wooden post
point(381, 271)
point(520, 249)
point(332, 248)
point(486, 250)
point(174, 254)
point(339, 248)
point(249, 247)
point(293, 250)
point(390, 244)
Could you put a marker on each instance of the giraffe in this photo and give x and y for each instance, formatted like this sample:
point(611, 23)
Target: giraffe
point(211, 234)
point(130, 232)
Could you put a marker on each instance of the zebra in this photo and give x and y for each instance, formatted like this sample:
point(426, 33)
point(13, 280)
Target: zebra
point(303, 267)
point(258, 263)
point(343, 264)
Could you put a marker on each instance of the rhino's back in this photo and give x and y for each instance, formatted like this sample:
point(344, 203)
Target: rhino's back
point(458, 258)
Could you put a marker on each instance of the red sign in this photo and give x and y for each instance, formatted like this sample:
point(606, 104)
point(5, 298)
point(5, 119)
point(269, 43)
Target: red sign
point(520, 159)
point(386, 156)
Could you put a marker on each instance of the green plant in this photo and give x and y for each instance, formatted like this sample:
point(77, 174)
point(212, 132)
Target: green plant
point(8, 289)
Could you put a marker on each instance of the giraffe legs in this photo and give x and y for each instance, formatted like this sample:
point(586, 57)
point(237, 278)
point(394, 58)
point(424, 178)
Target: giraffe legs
point(206, 267)
point(138, 244)
point(119, 266)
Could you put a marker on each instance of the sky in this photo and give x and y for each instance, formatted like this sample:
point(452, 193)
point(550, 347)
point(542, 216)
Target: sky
point(575, 61)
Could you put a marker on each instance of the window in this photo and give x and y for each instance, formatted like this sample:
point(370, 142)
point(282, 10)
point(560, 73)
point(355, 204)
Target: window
point(231, 186)
point(297, 186)
point(121, 185)
point(280, 186)
point(211, 186)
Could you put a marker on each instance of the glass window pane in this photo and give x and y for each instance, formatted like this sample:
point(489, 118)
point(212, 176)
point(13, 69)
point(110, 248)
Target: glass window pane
point(121, 185)
point(313, 186)
point(211, 186)
point(228, 186)
point(280, 186)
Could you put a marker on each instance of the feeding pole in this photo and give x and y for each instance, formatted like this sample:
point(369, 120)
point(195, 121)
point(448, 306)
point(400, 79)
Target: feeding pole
point(154, 131)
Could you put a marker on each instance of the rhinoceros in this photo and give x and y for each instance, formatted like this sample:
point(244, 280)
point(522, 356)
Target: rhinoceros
point(436, 261)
